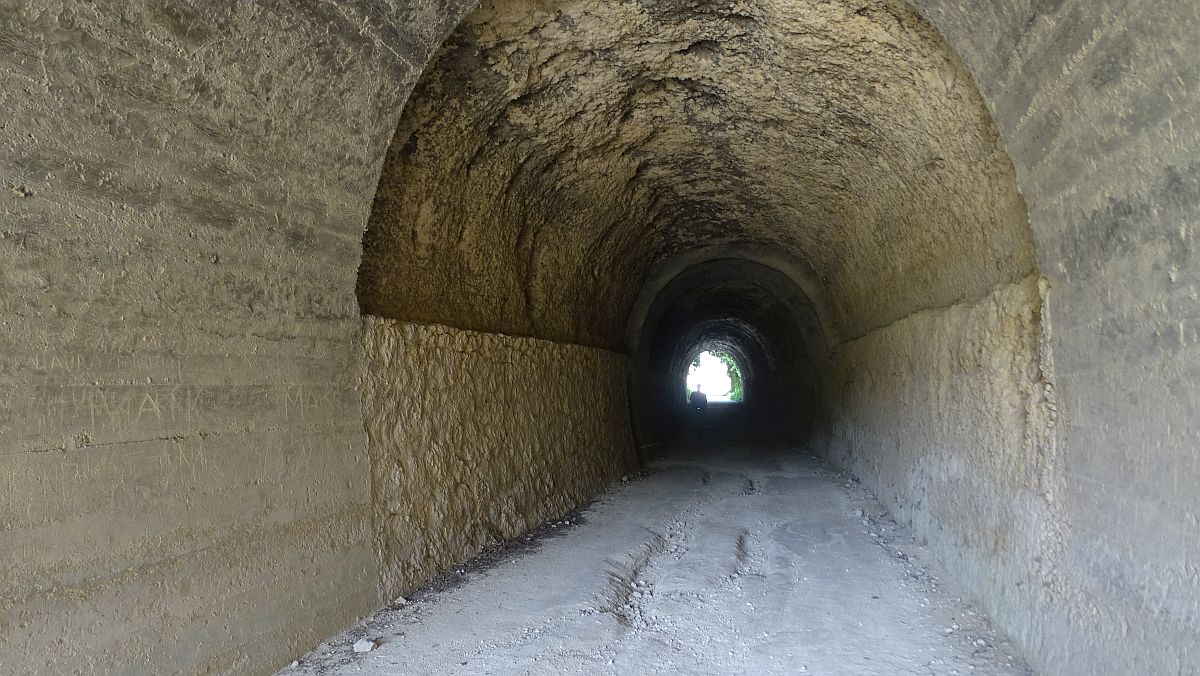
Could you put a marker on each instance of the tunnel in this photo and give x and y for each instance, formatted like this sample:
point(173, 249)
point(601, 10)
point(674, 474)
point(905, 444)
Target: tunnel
point(345, 332)
point(754, 313)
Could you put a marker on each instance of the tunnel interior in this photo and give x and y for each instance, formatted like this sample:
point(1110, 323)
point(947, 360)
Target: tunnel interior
point(305, 304)
point(749, 310)
point(652, 178)
point(816, 188)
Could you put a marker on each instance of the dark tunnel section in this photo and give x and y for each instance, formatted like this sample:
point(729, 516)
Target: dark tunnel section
point(750, 311)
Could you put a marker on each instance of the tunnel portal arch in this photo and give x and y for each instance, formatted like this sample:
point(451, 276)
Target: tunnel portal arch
point(736, 366)
point(742, 306)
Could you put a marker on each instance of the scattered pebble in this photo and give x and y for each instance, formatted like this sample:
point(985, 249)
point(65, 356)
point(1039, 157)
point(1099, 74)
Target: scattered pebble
point(629, 604)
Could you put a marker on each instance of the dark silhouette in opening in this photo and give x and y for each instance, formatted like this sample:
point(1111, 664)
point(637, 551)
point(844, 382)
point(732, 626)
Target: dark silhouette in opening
point(699, 402)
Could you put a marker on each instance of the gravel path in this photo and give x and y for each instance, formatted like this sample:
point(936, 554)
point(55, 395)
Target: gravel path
point(731, 562)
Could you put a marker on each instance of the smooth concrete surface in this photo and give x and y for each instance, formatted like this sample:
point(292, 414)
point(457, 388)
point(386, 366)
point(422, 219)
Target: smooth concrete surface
point(184, 481)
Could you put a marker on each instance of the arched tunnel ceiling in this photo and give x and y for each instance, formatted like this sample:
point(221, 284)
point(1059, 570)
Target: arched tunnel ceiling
point(555, 151)
point(752, 311)
point(734, 300)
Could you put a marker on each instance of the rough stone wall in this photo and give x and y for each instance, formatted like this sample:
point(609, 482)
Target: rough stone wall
point(479, 437)
point(1096, 103)
point(184, 187)
point(184, 484)
point(949, 416)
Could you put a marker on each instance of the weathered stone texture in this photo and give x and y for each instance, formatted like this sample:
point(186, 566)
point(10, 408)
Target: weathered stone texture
point(949, 415)
point(553, 153)
point(1097, 105)
point(183, 189)
point(476, 438)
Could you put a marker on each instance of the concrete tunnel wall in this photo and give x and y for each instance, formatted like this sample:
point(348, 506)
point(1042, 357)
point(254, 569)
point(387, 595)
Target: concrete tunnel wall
point(187, 186)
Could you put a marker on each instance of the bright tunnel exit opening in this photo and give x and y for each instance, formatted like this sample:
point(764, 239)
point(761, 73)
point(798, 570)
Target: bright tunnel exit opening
point(717, 375)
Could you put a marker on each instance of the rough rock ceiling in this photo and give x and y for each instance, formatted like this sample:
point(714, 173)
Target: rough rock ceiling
point(553, 151)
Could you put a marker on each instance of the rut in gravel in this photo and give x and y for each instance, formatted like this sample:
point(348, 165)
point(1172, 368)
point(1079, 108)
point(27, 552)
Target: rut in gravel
point(724, 561)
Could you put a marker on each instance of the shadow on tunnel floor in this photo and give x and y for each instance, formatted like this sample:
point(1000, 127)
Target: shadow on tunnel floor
point(728, 427)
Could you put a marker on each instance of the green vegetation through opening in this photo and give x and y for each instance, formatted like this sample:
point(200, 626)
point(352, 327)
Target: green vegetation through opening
point(717, 374)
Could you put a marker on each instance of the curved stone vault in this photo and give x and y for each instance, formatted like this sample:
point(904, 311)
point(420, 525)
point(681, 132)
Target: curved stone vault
point(554, 152)
point(304, 302)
